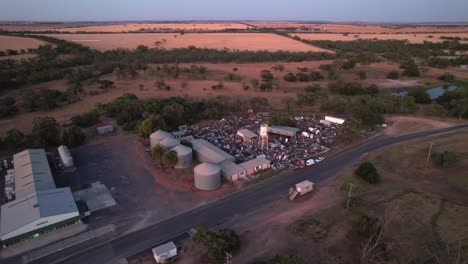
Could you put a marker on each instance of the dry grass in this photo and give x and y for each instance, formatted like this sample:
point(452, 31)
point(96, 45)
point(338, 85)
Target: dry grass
point(18, 43)
point(412, 38)
point(233, 41)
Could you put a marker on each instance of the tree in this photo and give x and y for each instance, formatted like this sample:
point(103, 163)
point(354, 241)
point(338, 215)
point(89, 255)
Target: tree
point(368, 172)
point(151, 124)
point(157, 152)
point(255, 83)
point(217, 244)
point(14, 137)
point(285, 259)
point(420, 96)
point(362, 75)
point(170, 159)
point(87, 119)
point(350, 130)
point(393, 75)
point(347, 65)
point(290, 77)
point(302, 77)
point(410, 69)
point(266, 76)
point(444, 159)
point(45, 131)
point(72, 136)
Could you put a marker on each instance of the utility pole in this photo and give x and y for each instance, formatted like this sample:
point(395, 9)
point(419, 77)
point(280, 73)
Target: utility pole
point(349, 194)
point(429, 153)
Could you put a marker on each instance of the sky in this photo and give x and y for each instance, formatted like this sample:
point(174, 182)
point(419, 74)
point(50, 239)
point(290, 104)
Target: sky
point(303, 10)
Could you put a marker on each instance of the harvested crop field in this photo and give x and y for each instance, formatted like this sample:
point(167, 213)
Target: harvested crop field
point(233, 41)
point(412, 38)
point(18, 43)
point(155, 26)
point(366, 28)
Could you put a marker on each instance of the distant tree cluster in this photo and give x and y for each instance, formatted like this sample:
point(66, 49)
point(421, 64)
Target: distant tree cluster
point(217, 244)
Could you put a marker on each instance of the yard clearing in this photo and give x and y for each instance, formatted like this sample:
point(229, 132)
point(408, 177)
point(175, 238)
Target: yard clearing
point(19, 43)
point(233, 41)
point(402, 125)
point(412, 38)
point(155, 26)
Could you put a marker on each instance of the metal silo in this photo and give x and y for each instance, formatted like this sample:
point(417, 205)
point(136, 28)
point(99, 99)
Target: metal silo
point(157, 136)
point(184, 155)
point(207, 176)
point(169, 142)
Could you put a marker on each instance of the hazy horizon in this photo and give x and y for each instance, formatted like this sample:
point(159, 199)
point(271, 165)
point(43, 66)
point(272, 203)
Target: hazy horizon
point(397, 11)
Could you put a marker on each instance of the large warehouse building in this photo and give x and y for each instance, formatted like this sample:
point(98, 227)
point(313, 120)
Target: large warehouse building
point(39, 206)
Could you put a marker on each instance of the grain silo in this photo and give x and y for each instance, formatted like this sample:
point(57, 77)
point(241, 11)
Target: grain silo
point(184, 155)
point(169, 142)
point(157, 136)
point(207, 176)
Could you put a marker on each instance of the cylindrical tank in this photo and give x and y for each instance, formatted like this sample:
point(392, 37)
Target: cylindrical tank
point(207, 176)
point(184, 155)
point(65, 156)
point(169, 142)
point(157, 137)
point(264, 130)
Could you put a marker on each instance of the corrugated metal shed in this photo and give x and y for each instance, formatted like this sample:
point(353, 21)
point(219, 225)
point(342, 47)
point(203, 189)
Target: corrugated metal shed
point(32, 172)
point(207, 152)
point(283, 130)
point(157, 136)
point(169, 142)
point(231, 170)
point(245, 133)
point(184, 155)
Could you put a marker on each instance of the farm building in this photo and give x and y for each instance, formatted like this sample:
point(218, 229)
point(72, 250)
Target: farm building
point(255, 165)
point(283, 130)
point(246, 135)
point(207, 152)
point(231, 171)
point(39, 206)
point(169, 142)
point(164, 252)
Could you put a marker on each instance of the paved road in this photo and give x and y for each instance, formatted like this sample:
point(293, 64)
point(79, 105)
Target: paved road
point(218, 212)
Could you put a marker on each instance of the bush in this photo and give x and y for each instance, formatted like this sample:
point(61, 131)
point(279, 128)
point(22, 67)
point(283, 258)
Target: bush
point(290, 77)
point(420, 96)
point(302, 77)
point(151, 124)
point(87, 119)
point(7, 106)
point(447, 77)
point(45, 132)
point(444, 159)
point(316, 76)
point(368, 172)
point(14, 137)
point(72, 136)
point(410, 69)
point(285, 259)
point(362, 75)
point(279, 120)
point(393, 75)
point(347, 65)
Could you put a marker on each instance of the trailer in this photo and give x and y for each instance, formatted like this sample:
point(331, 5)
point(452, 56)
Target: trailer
point(300, 189)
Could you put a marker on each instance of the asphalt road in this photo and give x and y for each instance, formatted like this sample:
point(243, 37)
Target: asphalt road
point(218, 212)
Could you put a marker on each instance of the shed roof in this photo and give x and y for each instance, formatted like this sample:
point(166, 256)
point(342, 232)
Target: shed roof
point(160, 135)
point(254, 163)
point(170, 142)
point(182, 150)
point(283, 130)
point(44, 203)
point(32, 172)
point(215, 154)
point(164, 248)
point(246, 133)
point(228, 167)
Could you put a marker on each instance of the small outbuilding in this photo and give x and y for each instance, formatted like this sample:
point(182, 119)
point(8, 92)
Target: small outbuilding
point(207, 176)
point(334, 120)
point(164, 252)
point(103, 129)
point(255, 165)
point(231, 171)
point(246, 135)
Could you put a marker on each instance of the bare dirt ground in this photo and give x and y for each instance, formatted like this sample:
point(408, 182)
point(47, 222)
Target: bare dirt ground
point(366, 28)
point(233, 41)
point(18, 43)
point(402, 125)
point(124, 27)
point(412, 38)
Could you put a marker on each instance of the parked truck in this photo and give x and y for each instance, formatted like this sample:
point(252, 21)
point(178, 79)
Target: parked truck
point(300, 189)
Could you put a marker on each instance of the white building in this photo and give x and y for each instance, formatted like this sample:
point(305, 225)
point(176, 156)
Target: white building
point(164, 252)
point(39, 206)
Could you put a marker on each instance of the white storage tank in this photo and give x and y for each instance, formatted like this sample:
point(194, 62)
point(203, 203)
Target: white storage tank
point(65, 156)
point(184, 155)
point(207, 176)
point(169, 142)
point(157, 137)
